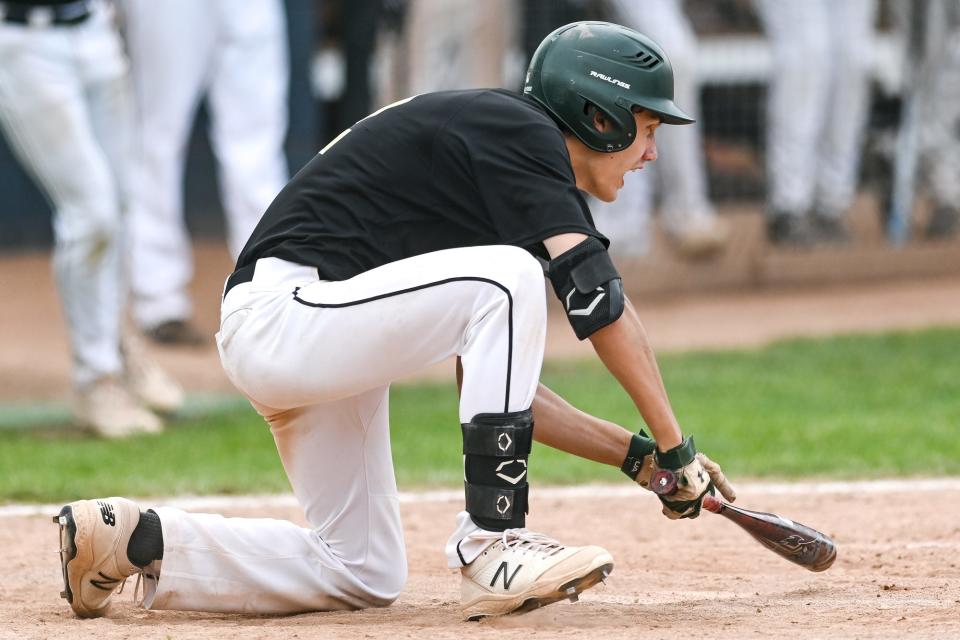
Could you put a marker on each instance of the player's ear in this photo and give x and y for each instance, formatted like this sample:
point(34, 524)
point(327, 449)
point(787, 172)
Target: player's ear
point(600, 121)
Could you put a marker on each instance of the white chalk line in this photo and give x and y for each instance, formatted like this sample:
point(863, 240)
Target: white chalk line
point(285, 500)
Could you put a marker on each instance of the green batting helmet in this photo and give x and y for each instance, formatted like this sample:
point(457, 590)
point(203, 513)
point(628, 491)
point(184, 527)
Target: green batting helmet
point(611, 67)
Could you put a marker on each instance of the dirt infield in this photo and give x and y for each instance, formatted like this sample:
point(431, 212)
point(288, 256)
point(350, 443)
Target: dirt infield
point(897, 574)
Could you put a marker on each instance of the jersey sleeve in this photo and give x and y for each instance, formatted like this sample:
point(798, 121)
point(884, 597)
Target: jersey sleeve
point(521, 169)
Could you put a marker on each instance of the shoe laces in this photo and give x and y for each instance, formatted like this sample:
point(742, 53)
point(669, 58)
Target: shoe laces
point(138, 593)
point(139, 590)
point(524, 540)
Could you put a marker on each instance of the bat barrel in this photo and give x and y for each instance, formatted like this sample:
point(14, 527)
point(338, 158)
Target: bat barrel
point(793, 541)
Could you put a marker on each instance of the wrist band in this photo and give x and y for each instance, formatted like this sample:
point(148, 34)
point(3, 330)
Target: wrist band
point(640, 447)
point(680, 456)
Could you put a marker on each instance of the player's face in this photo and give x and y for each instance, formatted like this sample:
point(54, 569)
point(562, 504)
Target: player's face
point(601, 174)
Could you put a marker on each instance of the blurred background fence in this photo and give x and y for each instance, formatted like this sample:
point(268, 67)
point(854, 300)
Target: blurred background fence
point(349, 56)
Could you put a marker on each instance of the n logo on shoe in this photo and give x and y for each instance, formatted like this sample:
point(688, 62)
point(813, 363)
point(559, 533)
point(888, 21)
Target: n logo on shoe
point(107, 583)
point(507, 581)
point(106, 512)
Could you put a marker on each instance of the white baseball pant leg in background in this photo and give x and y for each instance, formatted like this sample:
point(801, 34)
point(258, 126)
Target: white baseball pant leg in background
point(851, 61)
point(940, 105)
point(65, 109)
point(180, 51)
point(317, 365)
point(680, 170)
point(818, 98)
point(799, 37)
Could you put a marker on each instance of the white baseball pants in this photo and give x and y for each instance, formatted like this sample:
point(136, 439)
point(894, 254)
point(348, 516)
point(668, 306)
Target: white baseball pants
point(818, 100)
point(181, 50)
point(940, 103)
point(316, 359)
point(65, 110)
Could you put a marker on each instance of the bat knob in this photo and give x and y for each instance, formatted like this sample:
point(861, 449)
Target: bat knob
point(663, 482)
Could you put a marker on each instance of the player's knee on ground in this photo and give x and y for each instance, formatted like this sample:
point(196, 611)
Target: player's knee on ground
point(381, 586)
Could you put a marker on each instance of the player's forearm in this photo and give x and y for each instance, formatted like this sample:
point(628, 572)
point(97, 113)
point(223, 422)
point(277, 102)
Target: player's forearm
point(624, 349)
point(560, 425)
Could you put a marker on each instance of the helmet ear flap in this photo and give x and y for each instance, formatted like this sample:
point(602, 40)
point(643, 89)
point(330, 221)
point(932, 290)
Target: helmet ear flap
point(620, 129)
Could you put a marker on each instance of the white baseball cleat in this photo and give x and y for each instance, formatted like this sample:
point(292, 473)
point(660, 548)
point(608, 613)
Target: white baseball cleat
point(700, 238)
point(94, 535)
point(522, 570)
point(112, 411)
point(147, 380)
point(153, 386)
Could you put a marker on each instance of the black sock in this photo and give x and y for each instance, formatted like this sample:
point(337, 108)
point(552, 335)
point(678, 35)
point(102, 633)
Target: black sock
point(146, 543)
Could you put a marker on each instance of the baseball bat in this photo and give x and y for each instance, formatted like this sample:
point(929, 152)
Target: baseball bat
point(796, 542)
point(791, 540)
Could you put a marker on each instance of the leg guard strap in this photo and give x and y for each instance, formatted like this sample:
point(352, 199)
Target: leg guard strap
point(495, 447)
point(500, 435)
point(496, 504)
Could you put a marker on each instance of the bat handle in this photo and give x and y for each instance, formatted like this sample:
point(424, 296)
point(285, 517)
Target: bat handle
point(712, 503)
point(664, 483)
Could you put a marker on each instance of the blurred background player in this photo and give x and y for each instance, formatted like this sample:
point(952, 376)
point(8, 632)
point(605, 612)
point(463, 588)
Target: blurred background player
point(181, 50)
point(65, 110)
point(818, 102)
point(467, 53)
point(935, 84)
point(687, 216)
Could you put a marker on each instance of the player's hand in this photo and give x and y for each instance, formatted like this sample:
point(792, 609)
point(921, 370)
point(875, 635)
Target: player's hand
point(716, 476)
point(640, 465)
point(693, 481)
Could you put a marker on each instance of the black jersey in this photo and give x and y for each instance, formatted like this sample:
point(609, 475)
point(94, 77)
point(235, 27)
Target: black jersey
point(437, 171)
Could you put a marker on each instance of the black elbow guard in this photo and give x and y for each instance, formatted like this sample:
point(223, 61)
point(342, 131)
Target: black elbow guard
point(589, 287)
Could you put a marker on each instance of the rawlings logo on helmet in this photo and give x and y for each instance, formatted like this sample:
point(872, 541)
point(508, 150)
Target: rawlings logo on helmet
point(596, 74)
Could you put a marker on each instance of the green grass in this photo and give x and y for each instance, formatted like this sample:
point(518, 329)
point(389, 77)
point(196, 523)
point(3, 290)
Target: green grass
point(840, 408)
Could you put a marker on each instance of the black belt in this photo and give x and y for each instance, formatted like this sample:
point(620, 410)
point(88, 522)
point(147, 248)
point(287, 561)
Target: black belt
point(71, 13)
point(241, 275)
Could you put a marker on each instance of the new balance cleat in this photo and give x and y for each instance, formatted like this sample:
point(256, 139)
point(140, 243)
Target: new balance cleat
point(521, 571)
point(94, 535)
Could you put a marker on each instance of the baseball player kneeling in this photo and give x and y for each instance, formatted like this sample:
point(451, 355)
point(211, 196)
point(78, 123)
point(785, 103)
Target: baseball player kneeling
point(409, 239)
